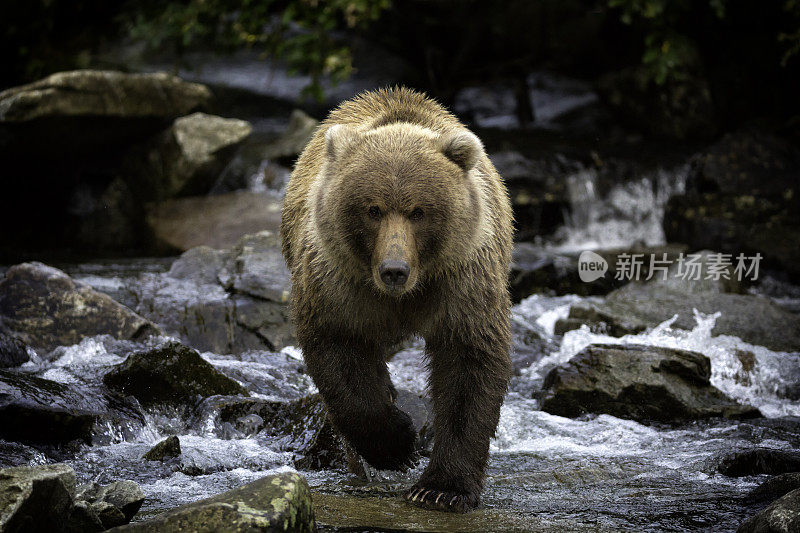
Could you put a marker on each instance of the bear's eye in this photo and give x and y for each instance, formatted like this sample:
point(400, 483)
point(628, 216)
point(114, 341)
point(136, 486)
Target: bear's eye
point(374, 212)
point(416, 214)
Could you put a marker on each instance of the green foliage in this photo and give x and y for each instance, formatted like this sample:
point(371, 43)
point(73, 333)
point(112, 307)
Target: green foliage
point(303, 33)
point(670, 55)
point(792, 40)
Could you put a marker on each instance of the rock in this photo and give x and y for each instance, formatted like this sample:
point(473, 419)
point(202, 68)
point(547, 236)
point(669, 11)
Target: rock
point(13, 351)
point(775, 487)
point(16, 454)
point(37, 499)
point(33, 409)
point(92, 93)
point(263, 161)
point(783, 516)
point(65, 139)
point(760, 461)
point(642, 383)
point(638, 306)
point(46, 308)
point(678, 109)
point(108, 515)
point(218, 221)
point(279, 502)
point(223, 301)
point(83, 519)
point(124, 496)
point(742, 196)
point(307, 430)
point(185, 159)
point(171, 374)
point(169, 447)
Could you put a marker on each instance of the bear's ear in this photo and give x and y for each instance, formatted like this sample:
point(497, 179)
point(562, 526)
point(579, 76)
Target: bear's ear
point(462, 148)
point(338, 139)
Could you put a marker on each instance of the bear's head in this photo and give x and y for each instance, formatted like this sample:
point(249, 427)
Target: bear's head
point(399, 203)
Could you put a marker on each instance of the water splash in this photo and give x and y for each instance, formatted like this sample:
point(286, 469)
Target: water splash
point(631, 213)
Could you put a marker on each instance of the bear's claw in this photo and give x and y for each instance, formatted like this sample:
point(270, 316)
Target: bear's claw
point(440, 500)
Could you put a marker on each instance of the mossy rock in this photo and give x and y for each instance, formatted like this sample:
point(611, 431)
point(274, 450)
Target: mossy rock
point(274, 503)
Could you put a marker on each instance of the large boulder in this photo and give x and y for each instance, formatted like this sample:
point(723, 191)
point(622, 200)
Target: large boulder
point(218, 221)
point(36, 498)
point(169, 374)
point(46, 308)
point(280, 502)
point(642, 383)
point(92, 93)
point(34, 409)
point(224, 301)
point(782, 516)
point(742, 196)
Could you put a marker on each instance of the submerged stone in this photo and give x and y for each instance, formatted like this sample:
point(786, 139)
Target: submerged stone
point(274, 503)
point(638, 382)
point(169, 447)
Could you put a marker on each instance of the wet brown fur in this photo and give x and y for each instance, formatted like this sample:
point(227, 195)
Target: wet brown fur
point(398, 150)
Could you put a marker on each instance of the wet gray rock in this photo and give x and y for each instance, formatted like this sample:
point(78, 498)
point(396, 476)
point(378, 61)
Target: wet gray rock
point(280, 502)
point(93, 93)
point(34, 409)
point(642, 383)
point(46, 308)
point(224, 301)
point(13, 352)
point(742, 196)
point(169, 447)
point(169, 374)
point(782, 516)
point(775, 487)
point(760, 461)
point(36, 499)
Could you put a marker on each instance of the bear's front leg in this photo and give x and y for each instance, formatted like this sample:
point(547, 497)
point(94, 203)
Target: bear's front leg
point(352, 378)
point(468, 384)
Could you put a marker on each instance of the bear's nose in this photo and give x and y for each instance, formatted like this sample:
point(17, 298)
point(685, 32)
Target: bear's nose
point(394, 273)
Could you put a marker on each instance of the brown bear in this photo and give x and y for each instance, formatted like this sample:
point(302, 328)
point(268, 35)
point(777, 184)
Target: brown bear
point(395, 224)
